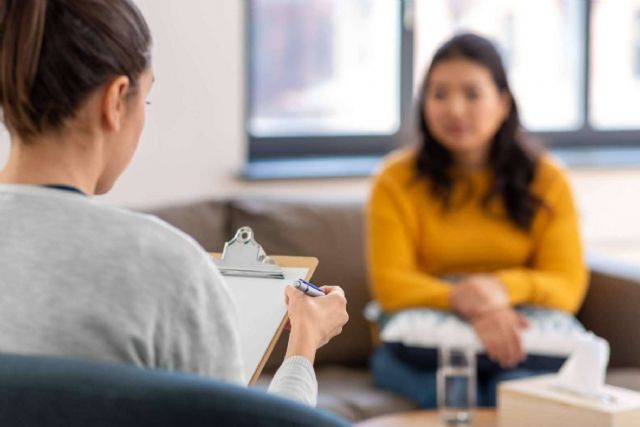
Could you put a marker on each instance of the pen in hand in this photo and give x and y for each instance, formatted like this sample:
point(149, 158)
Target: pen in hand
point(309, 289)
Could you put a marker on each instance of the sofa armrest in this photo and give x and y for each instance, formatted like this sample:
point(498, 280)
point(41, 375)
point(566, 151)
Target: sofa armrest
point(612, 306)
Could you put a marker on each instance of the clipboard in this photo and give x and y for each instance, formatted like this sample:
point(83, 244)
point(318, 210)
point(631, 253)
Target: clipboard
point(262, 314)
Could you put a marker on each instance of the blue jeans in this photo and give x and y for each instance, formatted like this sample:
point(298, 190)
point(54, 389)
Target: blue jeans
point(419, 384)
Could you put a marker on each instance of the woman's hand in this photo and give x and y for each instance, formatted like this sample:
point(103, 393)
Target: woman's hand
point(314, 320)
point(500, 332)
point(478, 294)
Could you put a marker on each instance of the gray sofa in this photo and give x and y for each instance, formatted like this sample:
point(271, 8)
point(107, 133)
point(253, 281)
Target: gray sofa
point(333, 231)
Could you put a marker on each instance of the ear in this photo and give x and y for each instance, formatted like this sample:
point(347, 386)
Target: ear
point(505, 102)
point(114, 102)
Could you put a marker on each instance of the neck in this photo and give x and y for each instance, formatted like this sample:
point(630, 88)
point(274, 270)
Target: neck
point(67, 160)
point(471, 161)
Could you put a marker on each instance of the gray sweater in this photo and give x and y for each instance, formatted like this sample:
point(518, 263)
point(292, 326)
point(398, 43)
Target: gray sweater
point(85, 280)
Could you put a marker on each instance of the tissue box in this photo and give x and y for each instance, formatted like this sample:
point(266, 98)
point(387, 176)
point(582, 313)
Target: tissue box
point(536, 402)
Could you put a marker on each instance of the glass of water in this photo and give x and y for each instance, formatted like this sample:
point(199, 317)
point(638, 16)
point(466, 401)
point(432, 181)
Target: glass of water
point(456, 384)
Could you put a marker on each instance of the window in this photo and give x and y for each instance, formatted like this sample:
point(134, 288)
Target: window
point(325, 76)
point(337, 78)
point(325, 67)
point(615, 65)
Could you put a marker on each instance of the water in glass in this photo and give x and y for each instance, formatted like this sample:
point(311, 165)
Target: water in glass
point(456, 385)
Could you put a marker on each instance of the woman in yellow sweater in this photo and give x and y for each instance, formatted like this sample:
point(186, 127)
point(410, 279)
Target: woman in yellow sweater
point(472, 221)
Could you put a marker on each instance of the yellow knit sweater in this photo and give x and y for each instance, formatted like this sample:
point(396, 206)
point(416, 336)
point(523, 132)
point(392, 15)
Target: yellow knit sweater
point(414, 243)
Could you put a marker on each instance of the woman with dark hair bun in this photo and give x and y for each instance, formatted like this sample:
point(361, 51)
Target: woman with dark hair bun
point(84, 280)
point(471, 222)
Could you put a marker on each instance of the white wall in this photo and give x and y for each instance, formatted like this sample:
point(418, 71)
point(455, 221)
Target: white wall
point(193, 142)
point(4, 145)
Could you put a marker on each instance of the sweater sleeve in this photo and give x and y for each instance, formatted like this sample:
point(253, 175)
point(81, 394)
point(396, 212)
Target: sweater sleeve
point(397, 279)
point(202, 335)
point(296, 380)
point(557, 275)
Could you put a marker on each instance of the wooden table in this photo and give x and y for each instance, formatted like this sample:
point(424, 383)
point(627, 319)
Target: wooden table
point(481, 418)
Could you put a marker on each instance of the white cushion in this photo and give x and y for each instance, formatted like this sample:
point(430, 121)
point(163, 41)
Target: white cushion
point(551, 332)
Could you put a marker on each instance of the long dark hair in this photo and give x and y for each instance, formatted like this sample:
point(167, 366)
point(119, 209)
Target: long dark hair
point(513, 164)
point(54, 53)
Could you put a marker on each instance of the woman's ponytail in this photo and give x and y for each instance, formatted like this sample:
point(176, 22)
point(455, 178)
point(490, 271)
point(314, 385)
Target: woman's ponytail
point(54, 53)
point(22, 27)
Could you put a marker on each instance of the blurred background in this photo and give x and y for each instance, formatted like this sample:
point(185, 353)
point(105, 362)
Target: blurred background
point(306, 96)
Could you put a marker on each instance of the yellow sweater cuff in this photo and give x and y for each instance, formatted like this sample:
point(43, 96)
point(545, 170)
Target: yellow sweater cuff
point(518, 284)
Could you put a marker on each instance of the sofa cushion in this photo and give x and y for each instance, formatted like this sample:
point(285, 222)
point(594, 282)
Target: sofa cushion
point(351, 393)
point(206, 222)
point(611, 305)
point(624, 377)
point(332, 231)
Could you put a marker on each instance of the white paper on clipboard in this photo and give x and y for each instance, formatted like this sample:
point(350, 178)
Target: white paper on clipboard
point(261, 308)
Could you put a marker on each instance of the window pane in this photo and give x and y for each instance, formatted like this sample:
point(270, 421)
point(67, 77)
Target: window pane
point(324, 67)
point(615, 64)
point(540, 42)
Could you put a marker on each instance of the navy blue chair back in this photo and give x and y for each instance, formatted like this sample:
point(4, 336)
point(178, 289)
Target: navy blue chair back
point(40, 391)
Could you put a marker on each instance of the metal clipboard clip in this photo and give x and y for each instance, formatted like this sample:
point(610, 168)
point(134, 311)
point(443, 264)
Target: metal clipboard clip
point(243, 256)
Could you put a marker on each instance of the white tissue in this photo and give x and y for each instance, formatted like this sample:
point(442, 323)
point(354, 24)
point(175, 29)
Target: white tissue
point(585, 369)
